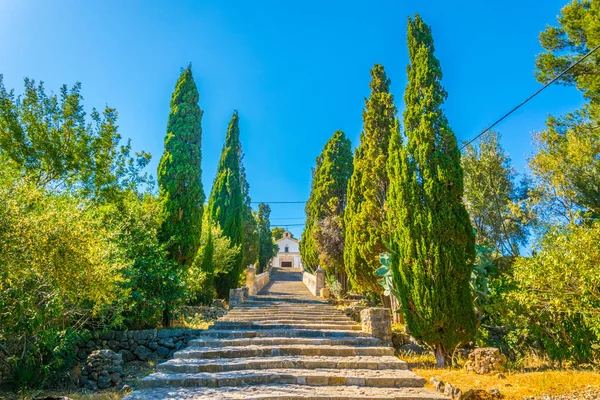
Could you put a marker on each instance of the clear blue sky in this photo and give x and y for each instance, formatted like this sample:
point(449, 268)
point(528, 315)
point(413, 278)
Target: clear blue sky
point(296, 71)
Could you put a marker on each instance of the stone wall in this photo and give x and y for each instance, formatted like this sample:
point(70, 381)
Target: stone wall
point(262, 280)
point(315, 282)
point(310, 281)
point(141, 345)
point(377, 322)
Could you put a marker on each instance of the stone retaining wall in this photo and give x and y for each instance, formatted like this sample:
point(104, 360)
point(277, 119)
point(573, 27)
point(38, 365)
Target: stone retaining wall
point(141, 345)
point(262, 280)
point(315, 282)
point(310, 281)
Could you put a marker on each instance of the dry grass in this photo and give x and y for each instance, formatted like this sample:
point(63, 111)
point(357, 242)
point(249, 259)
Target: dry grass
point(514, 385)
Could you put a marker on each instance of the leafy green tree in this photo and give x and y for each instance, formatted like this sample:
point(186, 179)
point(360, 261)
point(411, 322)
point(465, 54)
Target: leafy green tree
point(154, 281)
point(215, 257)
point(565, 167)
point(60, 275)
point(226, 204)
point(576, 35)
point(325, 206)
point(365, 219)
point(267, 247)
point(278, 232)
point(493, 198)
point(432, 241)
point(51, 140)
point(180, 173)
point(553, 299)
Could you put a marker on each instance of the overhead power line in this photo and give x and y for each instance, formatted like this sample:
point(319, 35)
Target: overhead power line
point(286, 225)
point(550, 82)
point(278, 202)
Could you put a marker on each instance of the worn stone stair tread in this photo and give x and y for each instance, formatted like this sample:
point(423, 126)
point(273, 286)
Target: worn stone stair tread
point(281, 350)
point(253, 325)
point(310, 377)
point(287, 392)
point(236, 364)
point(271, 321)
point(226, 333)
point(270, 341)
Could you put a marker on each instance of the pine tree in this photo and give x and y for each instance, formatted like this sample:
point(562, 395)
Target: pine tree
point(366, 233)
point(432, 241)
point(226, 204)
point(267, 247)
point(325, 206)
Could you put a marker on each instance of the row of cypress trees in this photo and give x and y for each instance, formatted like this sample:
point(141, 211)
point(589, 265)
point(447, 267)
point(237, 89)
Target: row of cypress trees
point(182, 196)
point(403, 197)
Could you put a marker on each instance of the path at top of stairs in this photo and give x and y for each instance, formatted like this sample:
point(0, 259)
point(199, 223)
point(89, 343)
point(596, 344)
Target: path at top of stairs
point(284, 343)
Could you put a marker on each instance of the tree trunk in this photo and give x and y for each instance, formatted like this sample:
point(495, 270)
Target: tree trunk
point(385, 301)
point(166, 318)
point(342, 278)
point(397, 317)
point(441, 357)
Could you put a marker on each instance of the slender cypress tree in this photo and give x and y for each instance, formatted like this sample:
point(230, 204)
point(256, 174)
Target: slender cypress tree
point(251, 234)
point(267, 247)
point(325, 206)
point(226, 204)
point(308, 248)
point(180, 173)
point(366, 233)
point(432, 241)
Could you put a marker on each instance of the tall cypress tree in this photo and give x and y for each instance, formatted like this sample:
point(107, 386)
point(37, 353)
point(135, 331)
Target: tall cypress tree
point(180, 173)
point(226, 204)
point(251, 234)
point(432, 241)
point(267, 247)
point(325, 206)
point(365, 220)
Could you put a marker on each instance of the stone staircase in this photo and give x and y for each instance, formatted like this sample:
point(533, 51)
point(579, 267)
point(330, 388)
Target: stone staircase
point(284, 343)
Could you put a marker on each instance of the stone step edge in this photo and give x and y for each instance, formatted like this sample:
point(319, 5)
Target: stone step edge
point(402, 379)
point(348, 341)
point(266, 333)
point(235, 325)
point(289, 392)
point(299, 362)
point(278, 350)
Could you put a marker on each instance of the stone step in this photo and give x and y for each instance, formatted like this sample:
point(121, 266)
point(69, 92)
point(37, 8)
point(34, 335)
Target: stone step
point(280, 321)
point(310, 333)
point(267, 311)
point(286, 392)
point(284, 314)
point(282, 350)
point(310, 377)
point(361, 341)
point(389, 363)
point(311, 326)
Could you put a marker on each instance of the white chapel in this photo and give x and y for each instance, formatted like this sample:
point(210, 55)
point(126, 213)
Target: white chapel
point(289, 252)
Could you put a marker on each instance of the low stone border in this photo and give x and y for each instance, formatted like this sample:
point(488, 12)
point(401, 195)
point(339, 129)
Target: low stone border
point(315, 282)
point(140, 345)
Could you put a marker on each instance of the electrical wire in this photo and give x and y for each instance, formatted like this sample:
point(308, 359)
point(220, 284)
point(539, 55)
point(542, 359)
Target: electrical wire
point(550, 82)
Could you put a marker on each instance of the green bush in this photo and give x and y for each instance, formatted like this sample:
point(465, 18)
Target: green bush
point(549, 303)
point(60, 275)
